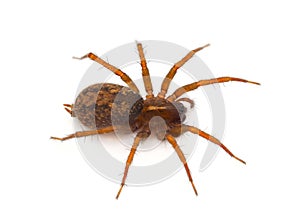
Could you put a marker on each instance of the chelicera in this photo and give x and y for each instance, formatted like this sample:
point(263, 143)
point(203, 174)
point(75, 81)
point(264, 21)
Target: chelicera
point(107, 107)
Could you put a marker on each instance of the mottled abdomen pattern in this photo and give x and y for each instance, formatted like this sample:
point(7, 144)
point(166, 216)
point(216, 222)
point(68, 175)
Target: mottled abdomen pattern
point(105, 104)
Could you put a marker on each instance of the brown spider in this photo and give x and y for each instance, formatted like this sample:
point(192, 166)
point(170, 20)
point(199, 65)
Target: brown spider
point(93, 107)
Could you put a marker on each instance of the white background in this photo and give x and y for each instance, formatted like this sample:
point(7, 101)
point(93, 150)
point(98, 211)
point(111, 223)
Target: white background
point(43, 181)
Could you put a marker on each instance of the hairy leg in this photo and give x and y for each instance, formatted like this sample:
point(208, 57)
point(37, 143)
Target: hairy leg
point(141, 135)
point(197, 131)
point(166, 82)
point(145, 72)
point(112, 68)
point(173, 142)
point(85, 133)
point(180, 91)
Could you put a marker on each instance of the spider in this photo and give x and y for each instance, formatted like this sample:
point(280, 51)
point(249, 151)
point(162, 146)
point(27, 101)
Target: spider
point(94, 105)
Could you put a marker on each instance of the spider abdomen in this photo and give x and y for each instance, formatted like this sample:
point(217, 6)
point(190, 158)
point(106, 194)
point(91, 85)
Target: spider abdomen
point(105, 104)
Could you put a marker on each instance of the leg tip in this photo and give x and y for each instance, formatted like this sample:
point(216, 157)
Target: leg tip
point(137, 42)
point(242, 161)
point(89, 55)
point(255, 83)
point(195, 190)
point(200, 48)
point(55, 138)
point(119, 192)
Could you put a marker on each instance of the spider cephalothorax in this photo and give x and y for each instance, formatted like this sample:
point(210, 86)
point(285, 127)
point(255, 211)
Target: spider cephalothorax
point(107, 107)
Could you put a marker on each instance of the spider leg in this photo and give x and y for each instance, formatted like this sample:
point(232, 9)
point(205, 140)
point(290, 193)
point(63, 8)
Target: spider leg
point(68, 108)
point(141, 135)
point(195, 85)
point(145, 71)
point(112, 68)
point(209, 137)
point(85, 133)
point(166, 82)
point(173, 142)
point(191, 102)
